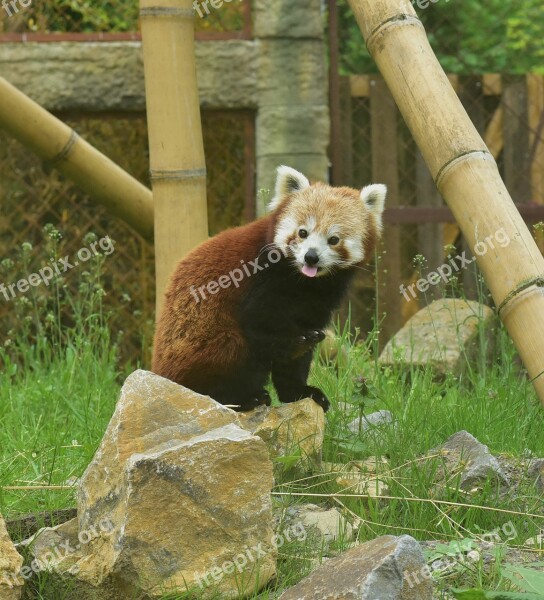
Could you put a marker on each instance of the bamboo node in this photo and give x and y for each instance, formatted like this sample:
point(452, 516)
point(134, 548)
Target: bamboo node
point(534, 281)
point(167, 11)
point(177, 175)
point(446, 168)
point(65, 152)
point(399, 19)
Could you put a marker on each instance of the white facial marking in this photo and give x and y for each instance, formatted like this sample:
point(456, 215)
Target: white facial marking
point(284, 231)
point(356, 252)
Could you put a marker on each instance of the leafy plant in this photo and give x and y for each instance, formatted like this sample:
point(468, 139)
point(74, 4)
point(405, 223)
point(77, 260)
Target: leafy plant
point(525, 578)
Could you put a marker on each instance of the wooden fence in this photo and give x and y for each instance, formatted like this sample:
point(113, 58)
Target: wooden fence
point(372, 143)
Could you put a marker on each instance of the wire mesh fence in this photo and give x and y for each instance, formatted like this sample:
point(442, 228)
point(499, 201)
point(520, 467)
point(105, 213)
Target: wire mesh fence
point(508, 111)
point(493, 55)
point(32, 196)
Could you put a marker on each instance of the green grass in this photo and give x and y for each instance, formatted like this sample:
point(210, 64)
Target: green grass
point(59, 383)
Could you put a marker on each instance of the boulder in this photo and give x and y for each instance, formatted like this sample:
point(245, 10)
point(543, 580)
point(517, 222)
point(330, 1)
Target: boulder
point(388, 567)
point(295, 429)
point(441, 336)
point(463, 456)
point(177, 497)
point(11, 580)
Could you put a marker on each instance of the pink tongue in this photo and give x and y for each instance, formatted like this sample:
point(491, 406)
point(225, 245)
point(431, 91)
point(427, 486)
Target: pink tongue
point(309, 271)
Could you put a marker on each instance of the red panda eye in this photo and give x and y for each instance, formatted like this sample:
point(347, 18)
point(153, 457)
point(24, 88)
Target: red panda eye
point(334, 240)
point(302, 233)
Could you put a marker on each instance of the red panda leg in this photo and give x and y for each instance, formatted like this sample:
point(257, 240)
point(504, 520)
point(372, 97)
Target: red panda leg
point(243, 389)
point(290, 378)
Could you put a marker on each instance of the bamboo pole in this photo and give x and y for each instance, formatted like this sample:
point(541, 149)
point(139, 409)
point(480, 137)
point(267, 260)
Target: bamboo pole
point(463, 169)
point(58, 144)
point(176, 148)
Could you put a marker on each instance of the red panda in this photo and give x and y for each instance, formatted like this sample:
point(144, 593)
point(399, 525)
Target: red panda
point(253, 301)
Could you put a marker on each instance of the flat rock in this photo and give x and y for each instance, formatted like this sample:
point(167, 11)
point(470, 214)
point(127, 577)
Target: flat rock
point(463, 456)
point(322, 526)
point(11, 581)
point(175, 495)
point(290, 429)
point(387, 568)
point(440, 335)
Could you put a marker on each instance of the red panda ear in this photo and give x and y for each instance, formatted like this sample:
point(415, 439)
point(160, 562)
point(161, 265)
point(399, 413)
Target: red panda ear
point(287, 182)
point(374, 198)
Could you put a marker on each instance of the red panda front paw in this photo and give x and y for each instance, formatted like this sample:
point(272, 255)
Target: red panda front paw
point(310, 338)
point(259, 399)
point(307, 342)
point(317, 396)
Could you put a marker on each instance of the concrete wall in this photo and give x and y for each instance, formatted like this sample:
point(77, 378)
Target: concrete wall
point(281, 74)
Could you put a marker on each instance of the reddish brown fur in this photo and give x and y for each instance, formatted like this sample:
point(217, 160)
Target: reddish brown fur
point(198, 341)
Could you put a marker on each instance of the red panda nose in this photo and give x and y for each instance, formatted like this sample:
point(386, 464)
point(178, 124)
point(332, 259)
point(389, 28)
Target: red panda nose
point(311, 258)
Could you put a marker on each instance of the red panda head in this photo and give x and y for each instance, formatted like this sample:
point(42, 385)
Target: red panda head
point(323, 228)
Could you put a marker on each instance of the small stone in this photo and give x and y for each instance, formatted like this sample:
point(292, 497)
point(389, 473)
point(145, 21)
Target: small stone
point(463, 456)
point(321, 525)
point(11, 581)
point(387, 568)
point(361, 477)
point(356, 482)
point(373, 421)
point(536, 473)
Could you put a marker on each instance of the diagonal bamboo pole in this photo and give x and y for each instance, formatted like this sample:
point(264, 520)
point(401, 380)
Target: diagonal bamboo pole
point(176, 148)
point(58, 144)
point(464, 171)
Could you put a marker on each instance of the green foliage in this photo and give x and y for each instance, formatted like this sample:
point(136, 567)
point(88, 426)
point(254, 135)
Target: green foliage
point(468, 37)
point(483, 595)
point(58, 381)
point(84, 16)
point(525, 578)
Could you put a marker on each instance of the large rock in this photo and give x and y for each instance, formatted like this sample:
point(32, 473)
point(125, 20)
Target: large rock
point(11, 582)
point(295, 429)
point(462, 457)
point(175, 496)
point(387, 568)
point(440, 335)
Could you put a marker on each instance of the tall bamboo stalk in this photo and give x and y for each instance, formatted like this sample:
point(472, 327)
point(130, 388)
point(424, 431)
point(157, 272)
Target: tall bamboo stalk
point(464, 171)
point(94, 173)
point(178, 170)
